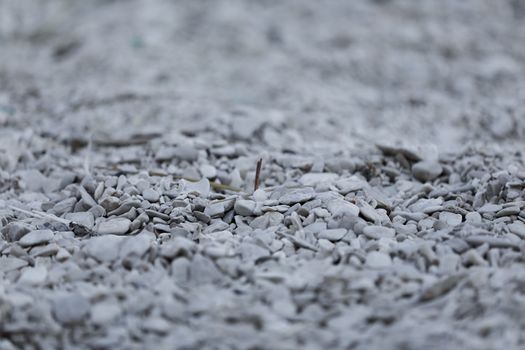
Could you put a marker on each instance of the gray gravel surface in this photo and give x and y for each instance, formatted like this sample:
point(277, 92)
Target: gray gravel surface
point(391, 208)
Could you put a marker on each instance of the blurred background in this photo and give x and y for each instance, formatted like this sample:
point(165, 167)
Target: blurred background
point(441, 72)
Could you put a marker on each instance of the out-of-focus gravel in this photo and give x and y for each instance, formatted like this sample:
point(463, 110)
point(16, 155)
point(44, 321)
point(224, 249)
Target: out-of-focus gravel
point(391, 210)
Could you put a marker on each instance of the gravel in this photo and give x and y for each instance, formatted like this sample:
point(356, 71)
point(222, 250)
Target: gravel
point(390, 211)
point(117, 226)
point(37, 237)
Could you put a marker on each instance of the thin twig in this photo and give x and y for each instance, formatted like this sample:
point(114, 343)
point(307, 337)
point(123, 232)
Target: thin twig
point(257, 175)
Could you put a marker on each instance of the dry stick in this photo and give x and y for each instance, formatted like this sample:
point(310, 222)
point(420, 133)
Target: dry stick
point(257, 175)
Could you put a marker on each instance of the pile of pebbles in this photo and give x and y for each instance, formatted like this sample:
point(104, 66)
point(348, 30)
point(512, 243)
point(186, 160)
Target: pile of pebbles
point(390, 212)
point(327, 252)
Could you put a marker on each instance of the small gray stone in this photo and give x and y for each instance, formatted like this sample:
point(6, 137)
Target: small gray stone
point(518, 228)
point(260, 195)
point(203, 271)
point(36, 237)
point(333, 235)
point(11, 263)
point(32, 179)
point(326, 245)
point(339, 207)
point(215, 210)
point(450, 219)
point(298, 196)
point(71, 309)
point(176, 247)
point(104, 248)
point(490, 208)
point(377, 232)
point(448, 263)
point(33, 276)
point(426, 170)
point(15, 230)
point(473, 218)
point(252, 252)
point(86, 219)
point(105, 312)
point(208, 171)
point(64, 206)
point(47, 250)
point(245, 207)
point(508, 212)
point(368, 212)
point(110, 203)
point(151, 195)
point(182, 152)
point(117, 226)
point(136, 246)
point(350, 184)
point(378, 260)
point(312, 179)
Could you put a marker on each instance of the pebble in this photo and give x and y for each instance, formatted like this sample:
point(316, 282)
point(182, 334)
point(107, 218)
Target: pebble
point(105, 313)
point(86, 219)
point(208, 171)
point(33, 276)
point(339, 207)
point(136, 246)
point(508, 212)
point(71, 309)
point(11, 263)
point(104, 248)
point(151, 195)
point(490, 208)
point(368, 212)
point(450, 219)
point(473, 218)
point(118, 226)
point(333, 235)
point(37, 237)
point(182, 152)
point(245, 207)
point(297, 196)
point(426, 170)
point(260, 195)
point(378, 260)
point(518, 228)
point(313, 179)
point(15, 230)
point(377, 232)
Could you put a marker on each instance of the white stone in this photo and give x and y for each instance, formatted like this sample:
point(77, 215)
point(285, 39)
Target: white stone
point(426, 170)
point(341, 207)
point(83, 218)
point(151, 195)
point(104, 248)
point(378, 260)
point(333, 235)
point(117, 226)
point(33, 275)
point(105, 312)
point(36, 237)
point(312, 179)
point(377, 232)
point(450, 219)
point(245, 207)
point(208, 171)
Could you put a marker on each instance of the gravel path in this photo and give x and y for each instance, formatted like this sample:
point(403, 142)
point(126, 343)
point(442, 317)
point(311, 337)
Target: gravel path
point(391, 206)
